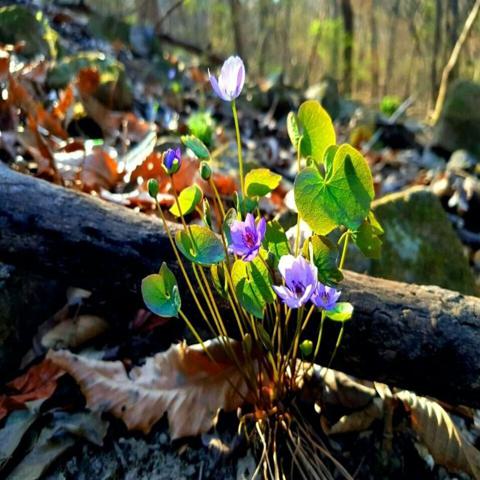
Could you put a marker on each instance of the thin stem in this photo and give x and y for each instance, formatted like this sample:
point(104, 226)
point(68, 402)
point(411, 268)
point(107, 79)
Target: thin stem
point(218, 199)
point(239, 149)
point(319, 339)
point(339, 340)
point(299, 219)
point(345, 248)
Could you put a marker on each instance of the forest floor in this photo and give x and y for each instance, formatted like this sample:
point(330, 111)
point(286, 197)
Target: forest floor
point(83, 131)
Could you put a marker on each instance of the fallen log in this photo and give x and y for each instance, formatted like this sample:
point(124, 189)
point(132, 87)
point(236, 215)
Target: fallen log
point(422, 338)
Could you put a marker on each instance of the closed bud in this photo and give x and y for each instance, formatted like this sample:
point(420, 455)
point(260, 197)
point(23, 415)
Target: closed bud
point(207, 215)
point(152, 187)
point(205, 171)
point(306, 347)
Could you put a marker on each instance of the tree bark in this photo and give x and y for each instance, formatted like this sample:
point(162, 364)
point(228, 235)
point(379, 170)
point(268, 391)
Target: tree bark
point(236, 13)
point(374, 57)
point(347, 15)
point(452, 61)
point(437, 39)
point(426, 339)
point(392, 37)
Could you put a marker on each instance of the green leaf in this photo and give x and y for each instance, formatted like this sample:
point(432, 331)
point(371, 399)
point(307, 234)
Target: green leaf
point(253, 285)
point(293, 130)
point(202, 246)
point(323, 253)
point(160, 293)
point(188, 199)
point(367, 237)
point(219, 279)
point(230, 217)
point(261, 181)
point(342, 312)
point(275, 241)
point(196, 146)
point(318, 132)
point(341, 197)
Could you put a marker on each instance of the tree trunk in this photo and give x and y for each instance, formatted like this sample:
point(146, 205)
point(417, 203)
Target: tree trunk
point(452, 61)
point(392, 38)
point(374, 58)
point(425, 339)
point(236, 13)
point(347, 14)
point(336, 41)
point(286, 42)
point(437, 39)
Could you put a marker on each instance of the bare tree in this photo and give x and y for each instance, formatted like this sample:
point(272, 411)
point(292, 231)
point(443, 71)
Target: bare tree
point(436, 43)
point(335, 15)
point(392, 38)
point(347, 15)
point(452, 61)
point(374, 57)
point(286, 44)
point(236, 13)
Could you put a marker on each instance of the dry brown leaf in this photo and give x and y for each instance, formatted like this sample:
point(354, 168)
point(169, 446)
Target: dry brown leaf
point(4, 64)
point(182, 382)
point(357, 421)
point(74, 332)
point(40, 381)
point(437, 431)
point(99, 170)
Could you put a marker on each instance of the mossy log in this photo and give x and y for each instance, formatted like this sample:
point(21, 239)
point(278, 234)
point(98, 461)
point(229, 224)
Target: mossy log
point(426, 339)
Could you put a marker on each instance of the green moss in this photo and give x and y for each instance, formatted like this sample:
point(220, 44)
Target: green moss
point(420, 245)
point(459, 123)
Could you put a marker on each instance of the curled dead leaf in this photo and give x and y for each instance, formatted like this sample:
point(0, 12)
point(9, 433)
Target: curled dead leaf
point(440, 435)
point(357, 421)
point(74, 332)
point(182, 382)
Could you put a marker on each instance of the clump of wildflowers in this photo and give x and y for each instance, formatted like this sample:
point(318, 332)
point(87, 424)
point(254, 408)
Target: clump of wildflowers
point(246, 256)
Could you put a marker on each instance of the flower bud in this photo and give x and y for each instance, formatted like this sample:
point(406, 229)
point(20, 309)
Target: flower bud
point(306, 347)
point(205, 171)
point(153, 187)
point(172, 159)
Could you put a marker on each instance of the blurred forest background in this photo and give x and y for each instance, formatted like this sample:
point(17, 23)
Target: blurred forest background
point(373, 48)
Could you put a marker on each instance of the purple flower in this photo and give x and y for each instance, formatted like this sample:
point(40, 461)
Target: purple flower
point(231, 79)
point(172, 159)
point(246, 237)
point(325, 297)
point(300, 278)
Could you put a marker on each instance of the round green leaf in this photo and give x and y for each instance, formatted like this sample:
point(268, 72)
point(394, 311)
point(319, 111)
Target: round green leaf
point(341, 197)
point(367, 240)
point(275, 241)
point(261, 181)
point(188, 199)
point(323, 253)
point(342, 312)
point(252, 285)
point(317, 130)
point(196, 146)
point(200, 245)
point(160, 293)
